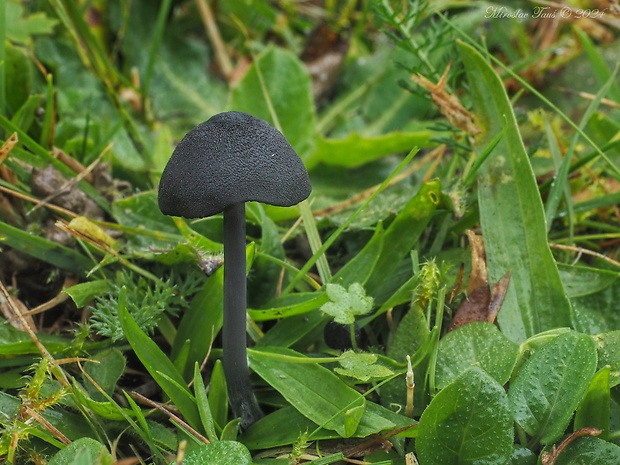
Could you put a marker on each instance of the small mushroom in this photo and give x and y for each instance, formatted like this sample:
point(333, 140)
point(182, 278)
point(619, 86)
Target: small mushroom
point(228, 160)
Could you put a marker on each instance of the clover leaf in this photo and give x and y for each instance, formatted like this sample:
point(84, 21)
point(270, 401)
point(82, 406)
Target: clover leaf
point(345, 304)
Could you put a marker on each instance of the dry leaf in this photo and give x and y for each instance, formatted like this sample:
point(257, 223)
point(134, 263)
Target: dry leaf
point(9, 310)
point(481, 304)
point(448, 105)
point(324, 55)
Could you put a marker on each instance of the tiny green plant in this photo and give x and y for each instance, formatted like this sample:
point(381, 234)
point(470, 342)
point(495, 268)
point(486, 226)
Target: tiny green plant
point(247, 325)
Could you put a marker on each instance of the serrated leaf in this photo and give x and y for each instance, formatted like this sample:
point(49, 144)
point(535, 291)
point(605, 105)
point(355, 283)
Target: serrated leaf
point(346, 304)
point(468, 422)
point(361, 366)
point(21, 28)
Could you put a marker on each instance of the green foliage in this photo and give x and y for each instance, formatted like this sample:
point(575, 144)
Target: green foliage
point(21, 27)
point(362, 367)
point(470, 421)
point(84, 451)
point(346, 304)
point(219, 453)
point(131, 364)
point(146, 301)
point(478, 344)
point(547, 389)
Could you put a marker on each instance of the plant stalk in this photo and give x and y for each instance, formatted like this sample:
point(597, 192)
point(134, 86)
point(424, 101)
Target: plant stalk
point(235, 356)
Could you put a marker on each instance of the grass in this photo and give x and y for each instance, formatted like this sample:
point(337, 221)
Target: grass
point(487, 181)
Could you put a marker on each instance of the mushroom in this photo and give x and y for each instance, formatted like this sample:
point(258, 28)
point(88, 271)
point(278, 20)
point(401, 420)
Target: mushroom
point(228, 160)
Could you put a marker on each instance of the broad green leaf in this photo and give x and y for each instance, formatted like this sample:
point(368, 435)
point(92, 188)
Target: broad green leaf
point(346, 304)
point(85, 451)
point(595, 407)
point(104, 368)
point(284, 426)
point(512, 214)
point(595, 298)
point(231, 430)
point(18, 75)
point(468, 422)
point(547, 389)
point(286, 81)
point(475, 344)
point(608, 350)
point(356, 149)
point(521, 455)
point(404, 231)
point(158, 364)
point(45, 250)
point(15, 342)
point(218, 453)
point(83, 293)
point(314, 391)
point(589, 450)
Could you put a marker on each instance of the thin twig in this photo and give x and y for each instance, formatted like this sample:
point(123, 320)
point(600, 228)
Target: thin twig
point(58, 373)
point(581, 250)
point(361, 196)
point(32, 199)
point(221, 55)
point(71, 182)
point(172, 416)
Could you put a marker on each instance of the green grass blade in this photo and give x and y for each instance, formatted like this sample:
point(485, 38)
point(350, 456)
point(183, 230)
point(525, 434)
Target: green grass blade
point(315, 240)
point(158, 35)
point(48, 121)
point(599, 66)
point(203, 405)
point(512, 214)
point(474, 45)
point(2, 57)
point(331, 239)
point(561, 178)
point(403, 233)
point(43, 249)
point(559, 185)
point(158, 364)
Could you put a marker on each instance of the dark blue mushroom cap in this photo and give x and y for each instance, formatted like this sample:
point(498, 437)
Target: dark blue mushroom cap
point(231, 158)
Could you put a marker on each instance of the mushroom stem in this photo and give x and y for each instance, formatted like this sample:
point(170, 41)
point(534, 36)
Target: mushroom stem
point(235, 358)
